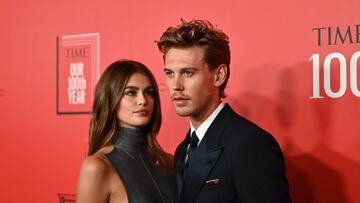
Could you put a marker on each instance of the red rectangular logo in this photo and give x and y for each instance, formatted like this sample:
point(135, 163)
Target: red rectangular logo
point(77, 72)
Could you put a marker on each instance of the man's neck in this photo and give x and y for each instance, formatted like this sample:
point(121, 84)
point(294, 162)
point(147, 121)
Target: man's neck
point(197, 120)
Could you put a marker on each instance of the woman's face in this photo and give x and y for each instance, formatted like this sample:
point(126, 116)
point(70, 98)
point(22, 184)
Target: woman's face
point(136, 105)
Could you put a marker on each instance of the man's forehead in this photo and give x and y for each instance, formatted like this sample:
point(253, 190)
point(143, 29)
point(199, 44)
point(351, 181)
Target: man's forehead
point(183, 59)
point(186, 51)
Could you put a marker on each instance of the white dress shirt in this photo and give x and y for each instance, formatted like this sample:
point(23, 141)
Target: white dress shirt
point(201, 130)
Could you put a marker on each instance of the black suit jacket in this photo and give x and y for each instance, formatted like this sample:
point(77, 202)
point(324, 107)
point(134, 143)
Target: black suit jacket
point(236, 161)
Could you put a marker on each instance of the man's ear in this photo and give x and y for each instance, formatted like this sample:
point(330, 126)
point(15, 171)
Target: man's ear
point(220, 75)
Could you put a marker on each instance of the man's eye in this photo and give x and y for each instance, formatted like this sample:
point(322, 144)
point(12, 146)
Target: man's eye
point(169, 73)
point(188, 73)
point(130, 93)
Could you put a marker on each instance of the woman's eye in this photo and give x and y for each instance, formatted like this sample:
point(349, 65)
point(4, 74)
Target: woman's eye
point(150, 93)
point(130, 93)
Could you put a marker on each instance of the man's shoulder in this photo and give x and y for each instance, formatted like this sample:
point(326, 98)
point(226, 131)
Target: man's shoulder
point(238, 122)
point(242, 130)
point(229, 112)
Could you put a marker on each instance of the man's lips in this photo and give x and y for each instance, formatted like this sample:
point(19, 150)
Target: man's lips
point(176, 96)
point(180, 101)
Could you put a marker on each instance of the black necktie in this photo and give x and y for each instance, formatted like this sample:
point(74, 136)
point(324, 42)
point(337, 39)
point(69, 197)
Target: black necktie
point(190, 149)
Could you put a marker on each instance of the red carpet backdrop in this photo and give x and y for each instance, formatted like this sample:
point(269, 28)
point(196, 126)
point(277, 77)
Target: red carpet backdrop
point(294, 71)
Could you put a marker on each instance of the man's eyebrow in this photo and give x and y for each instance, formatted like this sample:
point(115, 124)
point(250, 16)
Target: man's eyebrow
point(182, 69)
point(188, 68)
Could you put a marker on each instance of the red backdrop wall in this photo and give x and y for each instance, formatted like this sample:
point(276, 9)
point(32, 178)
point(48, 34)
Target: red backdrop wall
point(274, 47)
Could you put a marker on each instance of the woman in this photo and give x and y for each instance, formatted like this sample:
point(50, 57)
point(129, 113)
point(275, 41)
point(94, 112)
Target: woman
point(125, 162)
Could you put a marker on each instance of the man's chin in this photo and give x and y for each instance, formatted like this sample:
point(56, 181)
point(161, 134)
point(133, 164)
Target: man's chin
point(182, 112)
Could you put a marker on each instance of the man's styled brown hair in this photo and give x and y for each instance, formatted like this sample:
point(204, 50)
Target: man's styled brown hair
point(202, 33)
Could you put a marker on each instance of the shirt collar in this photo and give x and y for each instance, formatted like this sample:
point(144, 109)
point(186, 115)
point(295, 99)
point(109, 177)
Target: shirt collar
point(201, 130)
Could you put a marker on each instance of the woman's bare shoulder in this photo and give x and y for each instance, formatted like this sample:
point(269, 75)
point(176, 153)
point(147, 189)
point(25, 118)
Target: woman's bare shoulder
point(96, 180)
point(97, 163)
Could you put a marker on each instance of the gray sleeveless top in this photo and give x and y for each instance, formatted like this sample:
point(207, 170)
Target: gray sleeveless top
point(143, 181)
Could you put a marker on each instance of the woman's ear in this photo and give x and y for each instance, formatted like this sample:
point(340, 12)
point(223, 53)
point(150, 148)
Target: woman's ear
point(220, 75)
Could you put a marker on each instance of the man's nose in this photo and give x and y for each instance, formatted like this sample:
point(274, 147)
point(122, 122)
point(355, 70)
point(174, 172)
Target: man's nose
point(177, 83)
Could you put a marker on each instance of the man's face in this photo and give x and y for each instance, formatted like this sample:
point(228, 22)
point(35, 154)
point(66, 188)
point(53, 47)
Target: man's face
point(190, 81)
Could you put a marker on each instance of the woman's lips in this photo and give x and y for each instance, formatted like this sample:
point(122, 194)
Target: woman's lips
point(141, 112)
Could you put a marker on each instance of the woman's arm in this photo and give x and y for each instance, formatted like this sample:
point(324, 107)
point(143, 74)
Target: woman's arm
point(94, 179)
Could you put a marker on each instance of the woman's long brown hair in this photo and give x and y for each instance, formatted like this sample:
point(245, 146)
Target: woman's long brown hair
point(104, 122)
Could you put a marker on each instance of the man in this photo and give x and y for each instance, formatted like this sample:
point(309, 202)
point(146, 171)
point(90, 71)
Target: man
point(224, 157)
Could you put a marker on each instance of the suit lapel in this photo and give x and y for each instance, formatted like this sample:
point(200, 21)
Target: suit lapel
point(205, 157)
point(200, 166)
